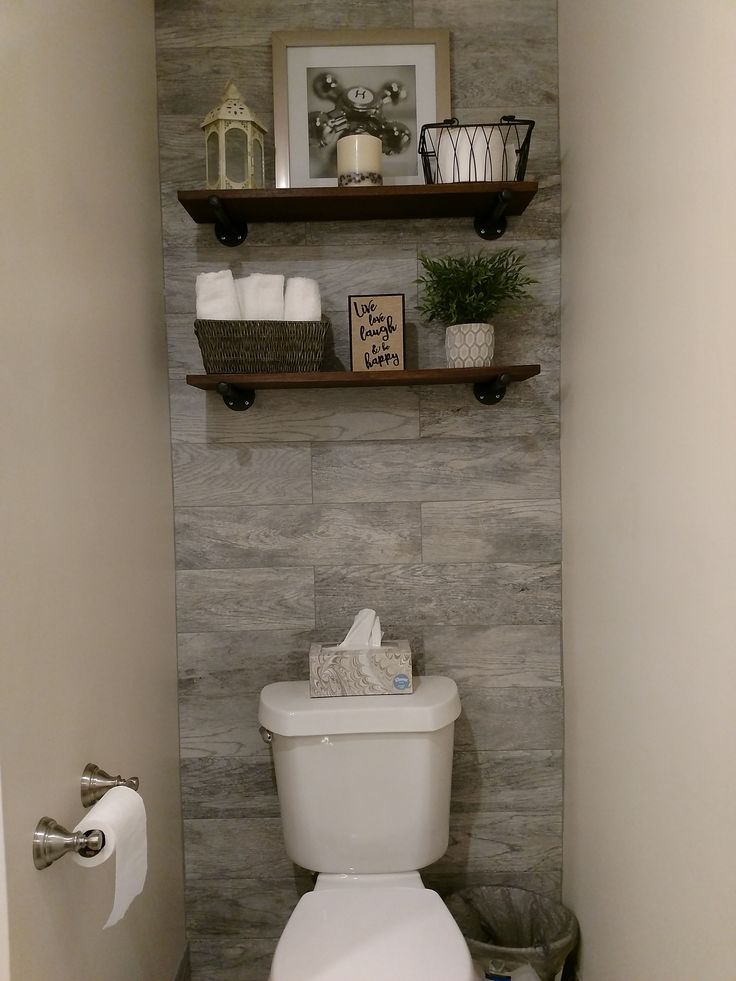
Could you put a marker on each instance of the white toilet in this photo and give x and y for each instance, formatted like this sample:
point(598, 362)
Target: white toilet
point(364, 789)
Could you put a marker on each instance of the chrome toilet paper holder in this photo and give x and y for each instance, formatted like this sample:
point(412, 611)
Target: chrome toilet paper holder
point(96, 783)
point(51, 841)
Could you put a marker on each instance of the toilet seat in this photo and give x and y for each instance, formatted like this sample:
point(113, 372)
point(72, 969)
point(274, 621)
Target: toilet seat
point(366, 934)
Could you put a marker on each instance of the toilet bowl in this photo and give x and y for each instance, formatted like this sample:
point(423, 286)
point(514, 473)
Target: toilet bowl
point(363, 930)
point(364, 793)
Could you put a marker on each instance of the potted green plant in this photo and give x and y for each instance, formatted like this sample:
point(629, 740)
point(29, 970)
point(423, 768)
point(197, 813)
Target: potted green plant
point(464, 292)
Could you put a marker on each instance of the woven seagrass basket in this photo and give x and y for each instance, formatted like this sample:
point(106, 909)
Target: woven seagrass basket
point(261, 346)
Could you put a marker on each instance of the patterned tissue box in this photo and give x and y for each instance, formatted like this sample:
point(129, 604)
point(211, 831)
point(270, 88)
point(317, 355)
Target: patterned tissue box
point(384, 670)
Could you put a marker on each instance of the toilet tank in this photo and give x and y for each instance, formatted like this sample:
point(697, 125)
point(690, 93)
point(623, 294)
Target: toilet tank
point(363, 781)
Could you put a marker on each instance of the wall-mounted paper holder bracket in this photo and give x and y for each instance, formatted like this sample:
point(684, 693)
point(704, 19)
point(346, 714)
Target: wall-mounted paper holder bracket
point(96, 782)
point(51, 841)
point(227, 230)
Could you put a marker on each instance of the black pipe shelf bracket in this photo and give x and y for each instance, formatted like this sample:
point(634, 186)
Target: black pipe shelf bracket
point(488, 204)
point(492, 391)
point(491, 223)
point(227, 231)
point(488, 392)
point(236, 398)
point(489, 384)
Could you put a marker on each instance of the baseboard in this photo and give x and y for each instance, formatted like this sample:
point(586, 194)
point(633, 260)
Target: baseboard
point(185, 968)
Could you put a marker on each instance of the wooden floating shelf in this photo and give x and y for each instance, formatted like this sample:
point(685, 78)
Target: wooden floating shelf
point(355, 203)
point(487, 202)
point(366, 379)
point(489, 384)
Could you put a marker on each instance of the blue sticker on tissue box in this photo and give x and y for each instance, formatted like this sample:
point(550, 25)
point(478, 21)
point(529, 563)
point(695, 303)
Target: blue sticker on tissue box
point(401, 682)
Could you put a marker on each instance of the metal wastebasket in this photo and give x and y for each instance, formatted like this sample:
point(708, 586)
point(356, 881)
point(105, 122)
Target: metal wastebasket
point(506, 927)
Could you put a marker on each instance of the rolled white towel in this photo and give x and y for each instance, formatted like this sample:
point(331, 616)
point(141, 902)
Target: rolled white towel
point(240, 294)
point(261, 296)
point(216, 298)
point(302, 300)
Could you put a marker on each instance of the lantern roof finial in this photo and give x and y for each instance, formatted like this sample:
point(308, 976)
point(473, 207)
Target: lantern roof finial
point(232, 107)
point(232, 92)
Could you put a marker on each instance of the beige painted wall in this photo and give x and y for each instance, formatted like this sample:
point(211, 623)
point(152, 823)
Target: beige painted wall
point(87, 596)
point(649, 485)
point(4, 935)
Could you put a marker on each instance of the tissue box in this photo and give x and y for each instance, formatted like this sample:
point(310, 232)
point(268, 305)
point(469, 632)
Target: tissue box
point(384, 670)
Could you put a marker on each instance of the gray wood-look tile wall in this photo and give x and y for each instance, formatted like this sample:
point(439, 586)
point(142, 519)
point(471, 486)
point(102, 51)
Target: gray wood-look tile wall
point(440, 513)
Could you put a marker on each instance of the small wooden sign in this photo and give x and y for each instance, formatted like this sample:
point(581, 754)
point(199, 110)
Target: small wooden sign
point(377, 332)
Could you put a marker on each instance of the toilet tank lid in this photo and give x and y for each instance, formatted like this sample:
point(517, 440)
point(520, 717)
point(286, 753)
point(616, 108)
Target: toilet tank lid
point(287, 708)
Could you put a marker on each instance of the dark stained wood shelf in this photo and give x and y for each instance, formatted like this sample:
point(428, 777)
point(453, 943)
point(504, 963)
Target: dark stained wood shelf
point(489, 384)
point(366, 379)
point(355, 203)
point(487, 202)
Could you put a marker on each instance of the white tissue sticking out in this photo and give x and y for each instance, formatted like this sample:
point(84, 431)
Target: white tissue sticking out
point(365, 632)
point(121, 817)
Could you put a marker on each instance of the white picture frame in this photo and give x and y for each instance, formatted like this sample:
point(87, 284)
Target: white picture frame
point(418, 61)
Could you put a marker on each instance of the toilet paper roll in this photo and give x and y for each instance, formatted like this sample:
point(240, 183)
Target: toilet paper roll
point(453, 155)
point(476, 153)
point(121, 817)
point(495, 149)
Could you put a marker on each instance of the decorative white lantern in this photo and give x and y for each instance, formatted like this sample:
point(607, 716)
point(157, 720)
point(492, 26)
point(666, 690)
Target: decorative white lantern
point(233, 138)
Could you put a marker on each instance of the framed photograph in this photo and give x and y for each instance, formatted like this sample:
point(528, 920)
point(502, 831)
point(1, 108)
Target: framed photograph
point(328, 84)
point(377, 332)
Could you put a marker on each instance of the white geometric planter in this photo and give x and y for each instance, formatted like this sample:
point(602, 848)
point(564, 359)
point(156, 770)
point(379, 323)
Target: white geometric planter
point(469, 345)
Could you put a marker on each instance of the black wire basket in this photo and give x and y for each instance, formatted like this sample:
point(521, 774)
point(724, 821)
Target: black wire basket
point(453, 153)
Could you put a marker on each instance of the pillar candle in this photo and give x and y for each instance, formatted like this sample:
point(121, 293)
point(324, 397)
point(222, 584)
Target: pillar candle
point(359, 160)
